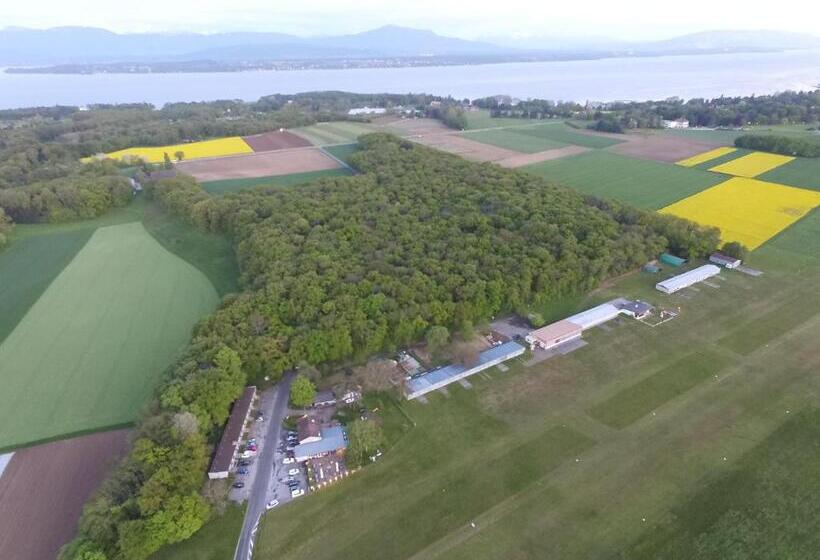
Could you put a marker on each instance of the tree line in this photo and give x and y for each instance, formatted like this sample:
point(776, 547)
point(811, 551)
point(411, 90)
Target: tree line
point(789, 107)
point(778, 144)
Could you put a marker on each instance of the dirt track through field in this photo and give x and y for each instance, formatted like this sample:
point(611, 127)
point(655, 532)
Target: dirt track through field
point(279, 162)
point(275, 140)
point(547, 155)
point(43, 489)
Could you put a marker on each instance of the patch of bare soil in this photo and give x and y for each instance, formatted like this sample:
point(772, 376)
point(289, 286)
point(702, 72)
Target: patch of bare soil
point(44, 488)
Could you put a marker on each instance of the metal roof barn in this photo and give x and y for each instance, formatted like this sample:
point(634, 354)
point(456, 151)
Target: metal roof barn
point(595, 316)
point(440, 377)
point(681, 281)
point(333, 439)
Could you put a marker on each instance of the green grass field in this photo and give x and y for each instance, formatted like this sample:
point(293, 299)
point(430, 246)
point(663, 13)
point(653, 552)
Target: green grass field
point(519, 467)
point(642, 183)
point(337, 132)
point(562, 133)
point(513, 139)
point(343, 151)
point(88, 353)
point(27, 268)
point(233, 185)
point(482, 119)
point(801, 172)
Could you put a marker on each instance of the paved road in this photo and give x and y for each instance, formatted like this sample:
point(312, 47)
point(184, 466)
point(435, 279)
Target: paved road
point(265, 465)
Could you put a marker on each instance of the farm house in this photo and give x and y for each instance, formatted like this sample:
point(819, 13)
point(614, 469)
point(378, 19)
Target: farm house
point(724, 260)
point(681, 281)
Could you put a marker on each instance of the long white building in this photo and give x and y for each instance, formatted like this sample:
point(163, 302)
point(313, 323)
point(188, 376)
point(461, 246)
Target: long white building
point(681, 281)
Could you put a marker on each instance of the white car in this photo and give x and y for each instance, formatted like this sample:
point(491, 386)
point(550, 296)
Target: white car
point(288, 460)
point(294, 470)
point(296, 493)
point(272, 504)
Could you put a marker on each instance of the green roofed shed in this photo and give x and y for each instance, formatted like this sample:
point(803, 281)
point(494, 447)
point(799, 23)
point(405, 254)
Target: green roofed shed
point(672, 260)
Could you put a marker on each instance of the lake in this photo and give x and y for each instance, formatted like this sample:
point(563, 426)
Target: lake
point(581, 80)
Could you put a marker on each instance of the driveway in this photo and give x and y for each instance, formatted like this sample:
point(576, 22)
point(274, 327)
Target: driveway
point(263, 483)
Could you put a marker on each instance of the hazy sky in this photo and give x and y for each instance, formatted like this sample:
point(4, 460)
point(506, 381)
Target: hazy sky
point(624, 19)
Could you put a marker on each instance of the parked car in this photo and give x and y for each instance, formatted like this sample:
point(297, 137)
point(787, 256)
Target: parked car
point(243, 470)
point(296, 493)
point(294, 470)
point(292, 483)
point(272, 504)
point(288, 460)
point(252, 448)
point(245, 463)
point(238, 484)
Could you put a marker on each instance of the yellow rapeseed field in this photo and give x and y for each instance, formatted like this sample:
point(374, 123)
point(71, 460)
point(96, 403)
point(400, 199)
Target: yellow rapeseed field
point(752, 165)
point(747, 210)
point(706, 156)
point(194, 150)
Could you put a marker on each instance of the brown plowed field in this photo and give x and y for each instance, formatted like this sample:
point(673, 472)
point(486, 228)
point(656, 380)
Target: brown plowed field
point(263, 164)
point(43, 489)
point(466, 148)
point(275, 140)
point(660, 148)
point(547, 155)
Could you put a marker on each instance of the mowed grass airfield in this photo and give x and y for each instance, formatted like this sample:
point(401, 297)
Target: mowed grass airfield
point(647, 443)
point(92, 326)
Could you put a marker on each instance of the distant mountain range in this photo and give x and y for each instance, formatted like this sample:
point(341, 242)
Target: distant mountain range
point(78, 46)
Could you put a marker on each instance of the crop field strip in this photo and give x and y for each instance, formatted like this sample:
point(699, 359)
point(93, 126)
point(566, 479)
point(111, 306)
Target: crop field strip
point(562, 133)
point(340, 132)
point(513, 139)
point(737, 153)
point(643, 183)
point(28, 267)
point(220, 147)
point(87, 354)
point(706, 156)
point(747, 210)
point(752, 165)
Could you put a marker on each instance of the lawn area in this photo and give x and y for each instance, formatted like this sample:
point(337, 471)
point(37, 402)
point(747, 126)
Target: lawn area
point(215, 541)
point(643, 183)
point(90, 350)
point(232, 185)
point(638, 400)
point(562, 133)
point(766, 507)
point(337, 132)
point(516, 467)
point(801, 172)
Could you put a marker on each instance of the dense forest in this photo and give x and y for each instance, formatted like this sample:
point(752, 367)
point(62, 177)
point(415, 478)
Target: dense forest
point(785, 145)
point(781, 108)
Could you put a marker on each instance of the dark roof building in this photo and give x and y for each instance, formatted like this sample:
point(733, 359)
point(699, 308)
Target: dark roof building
point(324, 398)
point(308, 430)
point(225, 454)
point(724, 260)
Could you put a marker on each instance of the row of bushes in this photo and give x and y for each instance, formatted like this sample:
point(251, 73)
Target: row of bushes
point(775, 144)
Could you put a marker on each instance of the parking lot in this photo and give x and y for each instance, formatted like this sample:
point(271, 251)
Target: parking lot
point(276, 488)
